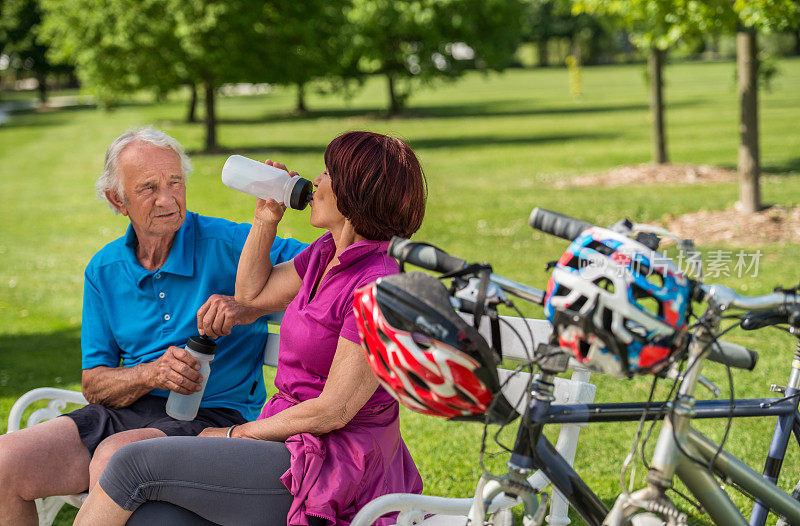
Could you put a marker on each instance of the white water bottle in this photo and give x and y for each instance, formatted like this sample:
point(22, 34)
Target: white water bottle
point(267, 182)
point(184, 407)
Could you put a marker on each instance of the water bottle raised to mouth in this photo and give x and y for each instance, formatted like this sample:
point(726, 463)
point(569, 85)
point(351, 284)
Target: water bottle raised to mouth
point(267, 182)
point(184, 407)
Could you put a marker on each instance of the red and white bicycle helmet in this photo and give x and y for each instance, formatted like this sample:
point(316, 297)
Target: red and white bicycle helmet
point(423, 353)
point(619, 306)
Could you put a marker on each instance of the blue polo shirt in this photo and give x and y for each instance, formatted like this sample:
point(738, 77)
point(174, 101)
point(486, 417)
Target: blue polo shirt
point(131, 314)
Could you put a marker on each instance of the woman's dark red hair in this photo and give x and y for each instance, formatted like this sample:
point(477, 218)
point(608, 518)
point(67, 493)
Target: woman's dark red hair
point(378, 184)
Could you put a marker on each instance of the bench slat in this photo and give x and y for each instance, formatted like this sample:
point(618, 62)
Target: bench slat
point(515, 348)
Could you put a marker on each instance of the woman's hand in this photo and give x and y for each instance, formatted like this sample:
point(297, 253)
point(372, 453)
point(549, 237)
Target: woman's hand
point(270, 212)
point(214, 432)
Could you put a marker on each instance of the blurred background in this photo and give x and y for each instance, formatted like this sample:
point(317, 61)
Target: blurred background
point(675, 112)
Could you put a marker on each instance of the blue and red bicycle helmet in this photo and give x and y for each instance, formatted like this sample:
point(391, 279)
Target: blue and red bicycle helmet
point(620, 307)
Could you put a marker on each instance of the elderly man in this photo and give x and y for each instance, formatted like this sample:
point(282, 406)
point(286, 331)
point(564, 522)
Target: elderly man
point(171, 276)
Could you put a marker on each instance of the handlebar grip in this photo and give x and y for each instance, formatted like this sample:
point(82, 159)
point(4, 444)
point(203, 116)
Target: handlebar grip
point(557, 224)
point(734, 355)
point(424, 255)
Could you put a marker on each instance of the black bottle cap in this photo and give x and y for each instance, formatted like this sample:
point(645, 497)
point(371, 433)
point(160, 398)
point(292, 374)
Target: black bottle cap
point(202, 344)
point(301, 194)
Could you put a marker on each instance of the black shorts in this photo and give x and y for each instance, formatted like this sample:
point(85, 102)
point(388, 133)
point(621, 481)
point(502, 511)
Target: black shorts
point(96, 422)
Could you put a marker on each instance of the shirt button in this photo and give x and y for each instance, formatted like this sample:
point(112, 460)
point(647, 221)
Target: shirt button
point(166, 317)
point(161, 295)
point(158, 276)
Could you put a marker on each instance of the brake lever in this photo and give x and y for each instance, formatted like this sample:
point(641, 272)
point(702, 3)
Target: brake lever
point(674, 374)
point(494, 294)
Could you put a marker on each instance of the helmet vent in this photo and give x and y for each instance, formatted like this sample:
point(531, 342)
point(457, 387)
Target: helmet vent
point(462, 395)
point(562, 291)
point(421, 340)
point(646, 301)
point(607, 319)
point(656, 279)
point(600, 247)
point(574, 263)
point(605, 283)
point(417, 380)
point(583, 347)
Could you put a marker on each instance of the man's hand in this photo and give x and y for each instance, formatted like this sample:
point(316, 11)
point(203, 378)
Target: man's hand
point(219, 314)
point(176, 370)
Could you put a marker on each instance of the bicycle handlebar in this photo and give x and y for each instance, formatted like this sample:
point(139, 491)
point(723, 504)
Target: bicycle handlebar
point(424, 255)
point(733, 355)
point(556, 224)
point(432, 258)
point(725, 298)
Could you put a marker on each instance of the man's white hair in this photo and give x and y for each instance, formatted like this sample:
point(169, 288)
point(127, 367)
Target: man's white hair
point(111, 178)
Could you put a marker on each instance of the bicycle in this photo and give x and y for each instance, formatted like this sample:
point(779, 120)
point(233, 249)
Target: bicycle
point(526, 456)
point(683, 451)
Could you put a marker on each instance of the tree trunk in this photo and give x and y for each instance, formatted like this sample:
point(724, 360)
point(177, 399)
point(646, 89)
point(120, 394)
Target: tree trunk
point(749, 163)
point(301, 99)
point(796, 33)
point(191, 115)
point(541, 49)
point(395, 104)
point(42, 88)
point(211, 118)
point(655, 66)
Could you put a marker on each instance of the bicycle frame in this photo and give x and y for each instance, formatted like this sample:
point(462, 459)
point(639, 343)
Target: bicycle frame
point(677, 440)
point(787, 424)
point(569, 483)
point(713, 498)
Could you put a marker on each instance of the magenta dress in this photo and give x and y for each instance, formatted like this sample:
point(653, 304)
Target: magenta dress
point(334, 475)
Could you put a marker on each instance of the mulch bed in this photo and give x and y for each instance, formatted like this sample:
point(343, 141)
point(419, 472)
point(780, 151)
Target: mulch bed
point(653, 174)
point(772, 225)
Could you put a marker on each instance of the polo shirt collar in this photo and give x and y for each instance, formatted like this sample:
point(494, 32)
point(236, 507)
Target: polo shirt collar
point(180, 261)
point(356, 251)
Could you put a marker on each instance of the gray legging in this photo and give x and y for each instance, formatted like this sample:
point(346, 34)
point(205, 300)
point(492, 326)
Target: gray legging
point(223, 480)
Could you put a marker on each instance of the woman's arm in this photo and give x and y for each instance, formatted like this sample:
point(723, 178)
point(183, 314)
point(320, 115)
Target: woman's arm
point(258, 284)
point(350, 384)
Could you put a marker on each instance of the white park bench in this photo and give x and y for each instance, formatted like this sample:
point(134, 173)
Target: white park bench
point(413, 508)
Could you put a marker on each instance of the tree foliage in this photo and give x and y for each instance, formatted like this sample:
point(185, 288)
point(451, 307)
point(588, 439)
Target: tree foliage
point(118, 47)
point(416, 41)
point(130, 45)
point(552, 19)
point(20, 27)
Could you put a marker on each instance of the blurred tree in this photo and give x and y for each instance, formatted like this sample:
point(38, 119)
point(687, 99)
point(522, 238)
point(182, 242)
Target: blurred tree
point(659, 24)
point(547, 19)
point(323, 52)
point(654, 26)
point(412, 41)
point(748, 18)
point(20, 25)
point(129, 45)
point(118, 47)
point(553, 19)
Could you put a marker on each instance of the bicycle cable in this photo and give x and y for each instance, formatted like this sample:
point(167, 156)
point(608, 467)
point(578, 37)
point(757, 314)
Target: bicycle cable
point(730, 414)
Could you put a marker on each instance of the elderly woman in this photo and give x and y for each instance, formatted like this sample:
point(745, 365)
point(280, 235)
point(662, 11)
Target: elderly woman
point(329, 441)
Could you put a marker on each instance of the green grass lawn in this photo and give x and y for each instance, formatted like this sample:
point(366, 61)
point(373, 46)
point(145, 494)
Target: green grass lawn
point(490, 145)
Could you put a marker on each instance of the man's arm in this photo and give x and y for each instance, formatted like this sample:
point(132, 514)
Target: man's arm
point(176, 370)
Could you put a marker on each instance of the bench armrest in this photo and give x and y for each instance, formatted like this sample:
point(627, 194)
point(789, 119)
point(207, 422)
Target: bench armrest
point(58, 400)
